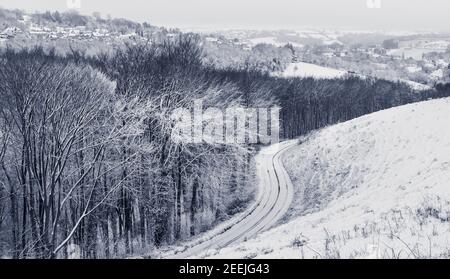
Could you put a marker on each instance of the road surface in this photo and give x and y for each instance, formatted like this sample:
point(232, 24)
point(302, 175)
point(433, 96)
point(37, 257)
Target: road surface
point(274, 198)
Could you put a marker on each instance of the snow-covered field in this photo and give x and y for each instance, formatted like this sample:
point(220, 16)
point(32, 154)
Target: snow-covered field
point(415, 85)
point(302, 69)
point(374, 187)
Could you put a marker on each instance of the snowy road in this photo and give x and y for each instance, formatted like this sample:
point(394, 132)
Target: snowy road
point(274, 198)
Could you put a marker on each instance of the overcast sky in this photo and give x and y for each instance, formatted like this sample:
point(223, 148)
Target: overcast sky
point(408, 15)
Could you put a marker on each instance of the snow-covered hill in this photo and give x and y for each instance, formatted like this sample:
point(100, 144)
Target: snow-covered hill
point(374, 187)
point(302, 69)
point(415, 85)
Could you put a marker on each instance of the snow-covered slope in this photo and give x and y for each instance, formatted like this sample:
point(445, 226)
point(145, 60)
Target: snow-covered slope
point(302, 69)
point(374, 187)
point(415, 85)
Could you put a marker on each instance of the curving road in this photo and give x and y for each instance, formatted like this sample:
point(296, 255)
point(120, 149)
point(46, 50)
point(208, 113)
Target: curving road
point(274, 198)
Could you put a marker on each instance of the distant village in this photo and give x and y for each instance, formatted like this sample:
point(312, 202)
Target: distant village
point(80, 33)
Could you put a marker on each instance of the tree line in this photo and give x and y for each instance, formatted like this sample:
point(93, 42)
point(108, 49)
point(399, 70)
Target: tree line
point(88, 167)
point(308, 104)
point(87, 160)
